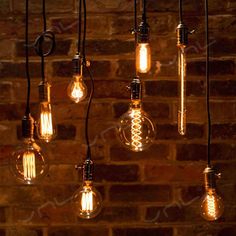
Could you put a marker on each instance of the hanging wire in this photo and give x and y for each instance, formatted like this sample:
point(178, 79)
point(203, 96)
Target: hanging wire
point(208, 87)
point(79, 25)
point(27, 111)
point(180, 11)
point(85, 26)
point(144, 17)
point(135, 31)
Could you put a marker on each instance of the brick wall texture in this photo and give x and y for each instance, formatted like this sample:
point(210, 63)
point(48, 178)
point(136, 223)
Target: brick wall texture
point(153, 193)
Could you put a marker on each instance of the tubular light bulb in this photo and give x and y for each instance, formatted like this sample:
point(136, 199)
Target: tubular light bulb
point(212, 206)
point(28, 163)
point(136, 129)
point(87, 201)
point(46, 130)
point(77, 90)
point(182, 90)
point(143, 57)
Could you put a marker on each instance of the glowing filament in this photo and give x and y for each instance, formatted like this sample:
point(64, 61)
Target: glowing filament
point(77, 91)
point(29, 168)
point(46, 127)
point(211, 206)
point(136, 131)
point(87, 201)
point(182, 99)
point(143, 57)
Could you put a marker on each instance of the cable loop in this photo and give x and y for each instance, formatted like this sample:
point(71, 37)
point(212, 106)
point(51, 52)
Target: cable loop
point(40, 41)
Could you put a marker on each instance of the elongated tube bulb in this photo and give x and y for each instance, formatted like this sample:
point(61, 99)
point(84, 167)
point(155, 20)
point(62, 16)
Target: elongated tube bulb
point(136, 129)
point(212, 206)
point(77, 90)
point(87, 201)
point(46, 129)
point(143, 57)
point(182, 90)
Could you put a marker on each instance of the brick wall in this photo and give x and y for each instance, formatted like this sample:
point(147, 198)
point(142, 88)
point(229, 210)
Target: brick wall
point(153, 193)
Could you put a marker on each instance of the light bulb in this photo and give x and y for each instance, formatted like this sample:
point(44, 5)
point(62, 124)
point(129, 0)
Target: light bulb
point(87, 201)
point(77, 90)
point(46, 130)
point(212, 206)
point(136, 129)
point(182, 90)
point(143, 57)
point(28, 163)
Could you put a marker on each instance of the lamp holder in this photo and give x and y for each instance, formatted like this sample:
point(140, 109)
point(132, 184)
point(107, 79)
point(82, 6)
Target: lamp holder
point(78, 64)
point(136, 89)
point(44, 91)
point(27, 126)
point(88, 169)
point(143, 32)
point(210, 177)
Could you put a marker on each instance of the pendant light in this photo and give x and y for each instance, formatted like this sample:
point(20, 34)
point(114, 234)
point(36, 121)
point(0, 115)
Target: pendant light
point(136, 129)
point(87, 200)
point(27, 162)
point(212, 206)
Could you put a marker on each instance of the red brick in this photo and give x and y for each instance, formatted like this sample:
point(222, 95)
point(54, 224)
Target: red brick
point(35, 6)
point(224, 131)
point(117, 173)
point(12, 111)
point(229, 231)
point(217, 67)
point(66, 131)
point(167, 173)
point(5, 7)
point(223, 111)
point(166, 131)
point(191, 152)
point(188, 194)
point(140, 193)
point(81, 230)
point(142, 231)
point(223, 88)
point(155, 152)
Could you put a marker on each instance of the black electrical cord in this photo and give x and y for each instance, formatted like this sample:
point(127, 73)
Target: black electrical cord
point(144, 17)
point(27, 111)
point(135, 32)
point(180, 11)
point(79, 25)
point(85, 27)
point(208, 87)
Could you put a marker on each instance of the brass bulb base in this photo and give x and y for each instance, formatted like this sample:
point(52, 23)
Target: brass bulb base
point(78, 64)
point(210, 177)
point(27, 126)
point(44, 91)
point(88, 169)
point(136, 89)
point(182, 35)
point(143, 32)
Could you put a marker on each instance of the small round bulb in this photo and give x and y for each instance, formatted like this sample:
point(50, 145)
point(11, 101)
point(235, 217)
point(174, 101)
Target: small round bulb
point(136, 129)
point(77, 89)
point(87, 201)
point(143, 57)
point(45, 127)
point(212, 206)
point(28, 163)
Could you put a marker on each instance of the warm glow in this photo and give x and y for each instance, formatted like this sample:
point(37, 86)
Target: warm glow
point(211, 205)
point(182, 92)
point(29, 167)
point(77, 89)
point(87, 201)
point(143, 57)
point(136, 132)
point(46, 126)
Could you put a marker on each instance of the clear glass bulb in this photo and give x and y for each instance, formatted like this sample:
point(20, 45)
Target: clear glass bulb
point(212, 206)
point(136, 129)
point(143, 57)
point(182, 90)
point(77, 89)
point(46, 129)
point(87, 201)
point(28, 163)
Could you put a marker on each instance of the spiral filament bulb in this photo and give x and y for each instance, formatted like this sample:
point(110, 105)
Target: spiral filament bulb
point(29, 168)
point(136, 129)
point(211, 205)
point(87, 201)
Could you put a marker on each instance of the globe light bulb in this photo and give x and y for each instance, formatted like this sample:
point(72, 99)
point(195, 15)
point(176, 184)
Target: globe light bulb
point(143, 57)
point(182, 90)
point(77, 90)
point(28, 163)
point(87, 201)
point(212, 206)
point(136, 129)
